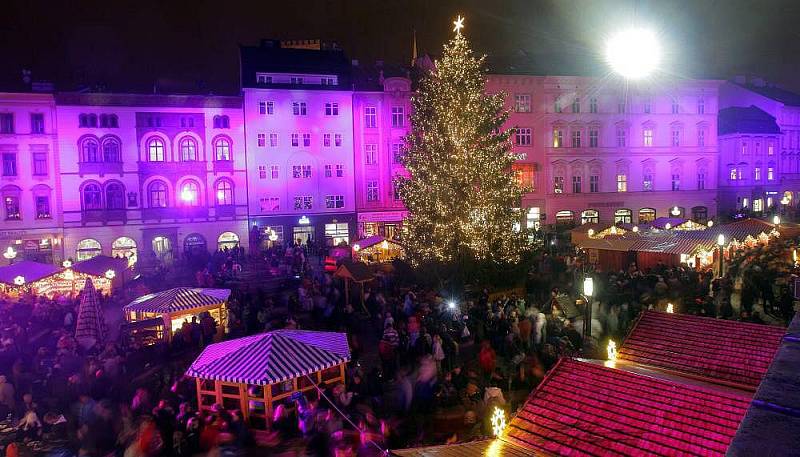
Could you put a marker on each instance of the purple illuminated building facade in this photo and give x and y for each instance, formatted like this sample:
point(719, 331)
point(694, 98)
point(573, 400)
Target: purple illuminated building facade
point(150, 177)
point(759, 148)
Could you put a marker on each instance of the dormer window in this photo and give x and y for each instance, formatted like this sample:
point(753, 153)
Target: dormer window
point(263, 79)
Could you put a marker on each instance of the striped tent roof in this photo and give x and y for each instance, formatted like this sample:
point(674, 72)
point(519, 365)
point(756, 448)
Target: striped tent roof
point(178, 299)
point(271, 357)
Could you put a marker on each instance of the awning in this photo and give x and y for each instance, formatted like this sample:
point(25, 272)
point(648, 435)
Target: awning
point(178, 299)
point(271, 357)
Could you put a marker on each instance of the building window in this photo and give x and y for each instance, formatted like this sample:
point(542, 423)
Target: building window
point(306, 140)
point(270, 204)
point(701, 181)
point(111, 121)
point(621, 137)
point(594, 183)
point(111, 151)
point(593, 105)
point(295, 140)
point(273, 140)
point(327, 81)
point(339, 170)
point(676, 138)
point(647, 182)
point(371, 154)
point(326, 140)
point(648, 137)
point(266, 108)
point(372, 191)
point(758, 205)
point(370, 117)
point(676, 182)
point(623, 216)
point(558, 138)
point(37, 123)
point(398, 117)
point(299, 108)
point(522, 103)
point(701, 137)
point(593, 138)
point(6, 123)
point(675, 107)
point(647, 106)
point(523, 136)
point(40, 164)
point(576, 184)
point(557, 105)
point(220, 122)
point(647, 215)
point(700, 214)
point(576, 105)
point(263, 79)
point(155, 150)
point(301, 171)
point(262, 140)
point(190, 193)
point(92, 197)
point(337, 139)
point(222, 150)
point(274, 171)
point(622, 183)
point(331, 109)
point(9, 164)
point(701, 106)
point(770, 171)
point(303, 202)
point(224, 193)
point(558, 184)
point(12, 208)
point(328, 171)
point(565, 217)
point(89, 150)
point(188, 150)
point(395, 190)
point(576, 138)
point(262, 172)
point(295, 80)
point(770, 148)
point(115, 196)
point(83, 120)
point(590, 216)
point(397, 153)
point(744, 148)
point(334, 201)
point(157, 194)
point(43, 207)
point(757, 173)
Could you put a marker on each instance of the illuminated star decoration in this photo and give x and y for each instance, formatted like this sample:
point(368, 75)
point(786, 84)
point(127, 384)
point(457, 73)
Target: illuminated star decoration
point(612, 350)
point(459, 24)
point(498, 421)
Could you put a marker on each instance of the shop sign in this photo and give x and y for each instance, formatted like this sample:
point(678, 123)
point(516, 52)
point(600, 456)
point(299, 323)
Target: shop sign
point(304, 220)
point(391, 216)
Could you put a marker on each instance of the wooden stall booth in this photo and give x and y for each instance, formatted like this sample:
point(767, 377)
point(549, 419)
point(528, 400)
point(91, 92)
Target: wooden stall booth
point(150, 315)
point(256, 373)
point(377, 249)
point(26, 275)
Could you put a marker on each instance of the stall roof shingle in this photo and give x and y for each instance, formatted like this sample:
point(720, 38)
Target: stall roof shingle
point(718, 350)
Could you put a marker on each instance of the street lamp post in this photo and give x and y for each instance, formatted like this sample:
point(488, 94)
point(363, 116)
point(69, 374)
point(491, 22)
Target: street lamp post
point(721, 244)
point(588, 291)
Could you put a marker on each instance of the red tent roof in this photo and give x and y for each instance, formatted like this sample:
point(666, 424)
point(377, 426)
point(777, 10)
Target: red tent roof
point(586, 409)
point(718, 350)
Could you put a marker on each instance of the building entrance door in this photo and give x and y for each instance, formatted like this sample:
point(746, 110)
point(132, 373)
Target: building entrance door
point(303, 234)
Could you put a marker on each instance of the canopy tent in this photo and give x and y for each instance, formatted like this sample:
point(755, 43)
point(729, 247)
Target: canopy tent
point(90, 328)
point(255, 372)
point(180, 304)
point(28, 270)
point(378, 249)
point(357, 272)
point(99, 265)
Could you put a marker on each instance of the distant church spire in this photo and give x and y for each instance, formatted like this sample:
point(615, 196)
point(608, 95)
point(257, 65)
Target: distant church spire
point(413, 47)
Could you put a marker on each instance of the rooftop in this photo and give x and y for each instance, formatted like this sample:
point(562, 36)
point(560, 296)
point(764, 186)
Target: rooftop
point(738, 119)
point(154, 100)
point(775, 93)
point(271, 57)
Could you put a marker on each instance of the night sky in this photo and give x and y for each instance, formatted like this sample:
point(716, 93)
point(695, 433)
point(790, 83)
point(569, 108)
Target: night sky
point(130, 45)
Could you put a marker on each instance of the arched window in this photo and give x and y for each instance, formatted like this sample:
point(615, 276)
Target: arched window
point(222, 149)
point(623, 216)
point(92, 120)
point(92, 197)
point(90, 150)
point(227, 240)
point(224, 193)
point(590, 215)
point(103, 120)
point(565, 217)
point(190, 193)
point(83, 120)
point(188, 149)
point(155, 150)
point(124, 247)
point(647, 215)
point(700, 214)
point(157, 194)
point(111, 150)
point(87, 249)
point(113, 121)
point(222, 122)
point(115, 196)
point(216, 122)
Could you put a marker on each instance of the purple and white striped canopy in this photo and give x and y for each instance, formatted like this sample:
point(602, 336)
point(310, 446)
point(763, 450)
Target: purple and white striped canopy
point(271, 357)
point(177, 299)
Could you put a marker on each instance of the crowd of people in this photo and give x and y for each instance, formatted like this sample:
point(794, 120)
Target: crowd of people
point(427, 367)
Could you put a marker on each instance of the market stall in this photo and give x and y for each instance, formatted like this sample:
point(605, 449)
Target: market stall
point(356, 272)
point(169, 309)
point(103, 266)
point(256, 373)
point(26, 274)
point(377, 249)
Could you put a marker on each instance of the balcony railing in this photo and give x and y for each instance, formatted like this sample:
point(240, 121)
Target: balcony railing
point(147, 169)
point(181, 212)
point(104, 215)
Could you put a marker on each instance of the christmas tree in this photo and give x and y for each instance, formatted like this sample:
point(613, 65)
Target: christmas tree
point(462, 195)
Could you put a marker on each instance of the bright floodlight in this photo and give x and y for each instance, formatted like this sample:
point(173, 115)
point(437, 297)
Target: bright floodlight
point(633, 53)
point(588, 286)
point(451, 304)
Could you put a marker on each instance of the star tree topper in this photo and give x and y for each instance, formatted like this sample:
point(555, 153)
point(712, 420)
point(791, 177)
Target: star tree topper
point(459, 24)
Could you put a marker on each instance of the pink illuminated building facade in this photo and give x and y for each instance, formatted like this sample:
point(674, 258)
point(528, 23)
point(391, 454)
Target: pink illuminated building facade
point(31, 223)
point(151, 177)
point(594, 151)
point(298, 112)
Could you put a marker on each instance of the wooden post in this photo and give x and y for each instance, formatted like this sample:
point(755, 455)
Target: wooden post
point(268, 403)
point(167, 327)
point(218, 391)
point(244, 401)
point(199, 395)
point(341, 372)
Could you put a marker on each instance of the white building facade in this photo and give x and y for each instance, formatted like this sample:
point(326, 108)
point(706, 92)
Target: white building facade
point(151, 177)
